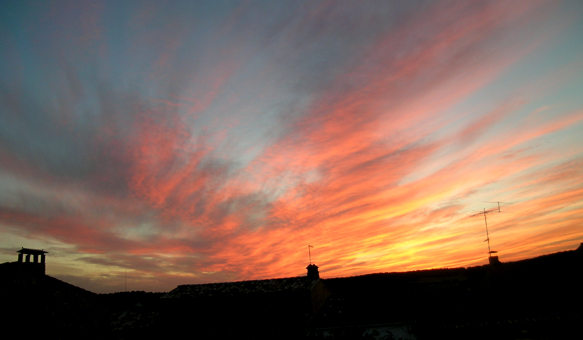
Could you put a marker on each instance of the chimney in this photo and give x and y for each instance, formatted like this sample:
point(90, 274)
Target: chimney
point(313, 272)
point(494, 261)
point(35, 266)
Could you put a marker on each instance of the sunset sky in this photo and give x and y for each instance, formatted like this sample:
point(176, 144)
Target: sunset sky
point(207, 141)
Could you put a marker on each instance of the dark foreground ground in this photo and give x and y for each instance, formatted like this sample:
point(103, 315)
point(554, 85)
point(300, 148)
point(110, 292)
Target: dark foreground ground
point(538, 298)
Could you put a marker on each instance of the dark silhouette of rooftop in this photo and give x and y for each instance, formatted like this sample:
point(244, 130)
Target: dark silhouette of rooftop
point(251, 307)
point(41, 305)
point(529, 299)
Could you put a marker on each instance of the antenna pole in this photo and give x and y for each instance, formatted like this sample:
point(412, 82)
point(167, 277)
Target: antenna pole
point(488, 235)
point(310, 253)
point(485, 212)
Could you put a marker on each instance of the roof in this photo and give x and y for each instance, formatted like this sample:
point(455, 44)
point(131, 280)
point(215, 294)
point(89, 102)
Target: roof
point(32, 251)
point(240, 288)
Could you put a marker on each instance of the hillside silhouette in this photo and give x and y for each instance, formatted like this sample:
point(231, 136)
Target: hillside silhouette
point(537, 298)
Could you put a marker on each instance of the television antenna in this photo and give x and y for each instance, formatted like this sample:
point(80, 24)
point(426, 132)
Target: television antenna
point(485, 212)
point(310, 253)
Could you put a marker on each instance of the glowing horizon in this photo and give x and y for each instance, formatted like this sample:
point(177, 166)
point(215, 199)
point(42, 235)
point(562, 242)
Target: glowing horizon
point(201, 142)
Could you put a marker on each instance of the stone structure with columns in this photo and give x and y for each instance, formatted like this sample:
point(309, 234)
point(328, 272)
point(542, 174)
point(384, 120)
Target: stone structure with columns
point(32, 265)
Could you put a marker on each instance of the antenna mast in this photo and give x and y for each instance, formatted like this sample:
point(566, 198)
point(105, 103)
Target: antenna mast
point(486, 223)
point(492, 259)
point(310, 253)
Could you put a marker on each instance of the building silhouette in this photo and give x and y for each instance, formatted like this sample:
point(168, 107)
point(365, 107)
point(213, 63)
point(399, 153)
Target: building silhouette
point(529, 299)
point(38, 305)
point(30, 262)
point(251, 307)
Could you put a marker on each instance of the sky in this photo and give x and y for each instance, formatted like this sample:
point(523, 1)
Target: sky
point(148, 144)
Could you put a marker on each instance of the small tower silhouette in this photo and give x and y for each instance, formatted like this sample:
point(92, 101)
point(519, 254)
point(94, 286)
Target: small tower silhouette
point(33, 266)
point(313, 271)
point(493, 258)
